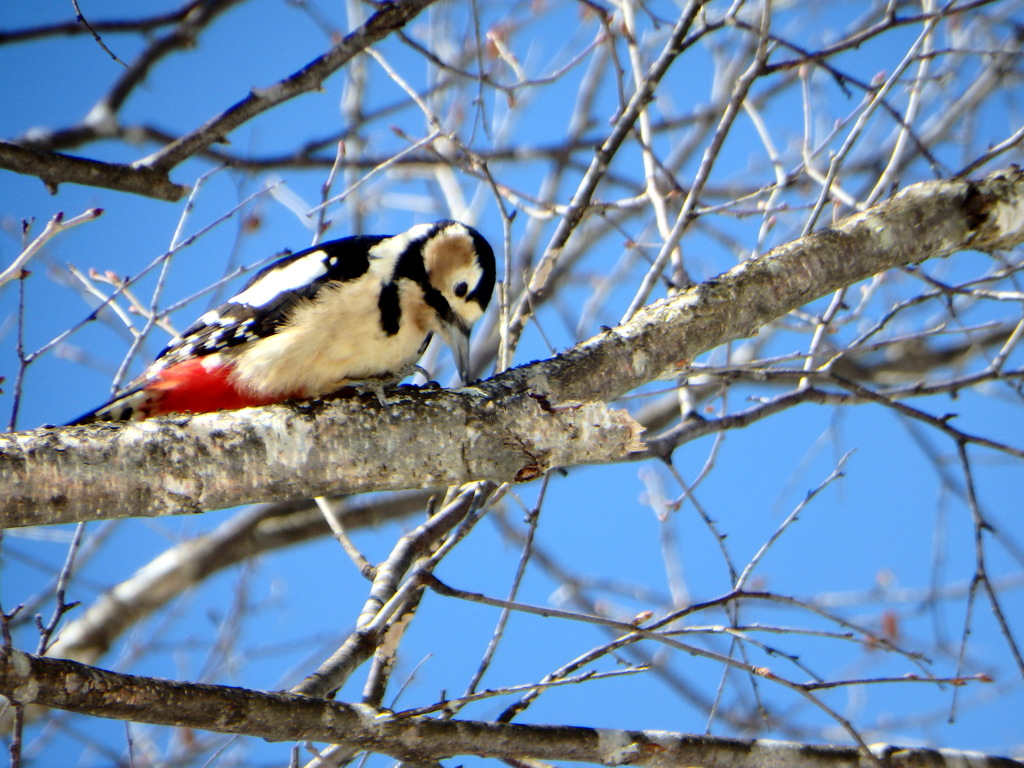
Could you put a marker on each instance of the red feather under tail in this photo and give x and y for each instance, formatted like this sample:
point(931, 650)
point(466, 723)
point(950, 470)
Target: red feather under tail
point(185, 387)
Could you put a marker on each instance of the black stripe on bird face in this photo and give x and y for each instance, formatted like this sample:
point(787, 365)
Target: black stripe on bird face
point(437, 302)
point(410, 266)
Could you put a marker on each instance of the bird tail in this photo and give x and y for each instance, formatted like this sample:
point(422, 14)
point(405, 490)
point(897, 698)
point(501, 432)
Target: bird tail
point(125, 406)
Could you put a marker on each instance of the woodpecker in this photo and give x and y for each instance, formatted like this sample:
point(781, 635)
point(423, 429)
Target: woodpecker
point(347, 311)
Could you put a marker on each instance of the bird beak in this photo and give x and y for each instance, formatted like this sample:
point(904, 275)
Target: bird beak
point(457, 337)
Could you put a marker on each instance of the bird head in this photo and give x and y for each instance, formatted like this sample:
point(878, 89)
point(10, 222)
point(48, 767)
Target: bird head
point(460, 266)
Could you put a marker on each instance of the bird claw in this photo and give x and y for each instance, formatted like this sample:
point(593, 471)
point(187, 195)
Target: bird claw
point(375, 387)
point(379, 386)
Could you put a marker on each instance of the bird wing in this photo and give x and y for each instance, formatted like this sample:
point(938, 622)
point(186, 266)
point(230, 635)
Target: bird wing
point(265, 302)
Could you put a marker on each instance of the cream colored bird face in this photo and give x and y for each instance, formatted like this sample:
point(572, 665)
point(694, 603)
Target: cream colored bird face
point(453, 267)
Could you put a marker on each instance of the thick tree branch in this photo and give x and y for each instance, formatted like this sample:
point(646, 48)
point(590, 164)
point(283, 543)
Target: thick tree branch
point(512, 427)
point(926, 220)
point(28, 679)
point(54, 168)
point(421, 439)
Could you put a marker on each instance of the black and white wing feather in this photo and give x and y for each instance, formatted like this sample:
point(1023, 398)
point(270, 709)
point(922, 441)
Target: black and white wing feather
point(266, 302)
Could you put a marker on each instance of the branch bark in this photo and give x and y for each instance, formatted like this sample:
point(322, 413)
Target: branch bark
point(510, 428)
point(28, 679)
point(421, 439)
point(54, 168)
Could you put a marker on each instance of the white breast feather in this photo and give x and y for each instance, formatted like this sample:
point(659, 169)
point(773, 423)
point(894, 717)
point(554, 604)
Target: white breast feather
point(334, 339)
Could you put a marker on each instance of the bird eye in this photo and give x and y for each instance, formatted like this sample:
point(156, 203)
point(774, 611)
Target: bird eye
point(461, 290)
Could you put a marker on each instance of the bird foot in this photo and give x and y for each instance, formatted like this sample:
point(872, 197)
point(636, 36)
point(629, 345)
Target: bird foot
point(379, 385)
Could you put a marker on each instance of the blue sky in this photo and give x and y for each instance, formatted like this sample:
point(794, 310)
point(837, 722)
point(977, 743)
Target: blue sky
point(892, 519)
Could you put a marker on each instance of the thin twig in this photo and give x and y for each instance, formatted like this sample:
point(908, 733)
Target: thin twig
point(80, 18)
point(53, 227)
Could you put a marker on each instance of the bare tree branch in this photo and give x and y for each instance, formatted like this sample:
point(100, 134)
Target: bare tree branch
point(101, 121)
point(149, 176)
point(28, 679)
point(596, 133)
point(263, 528)
point(54, 168)
point(53, 227)
point(73, 28)
point(229, 458)
point(542, 275)
point(513, 427)
point(390, 17)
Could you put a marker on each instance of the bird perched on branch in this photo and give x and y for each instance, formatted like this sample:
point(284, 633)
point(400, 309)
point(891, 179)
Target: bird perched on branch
point(339, 314)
